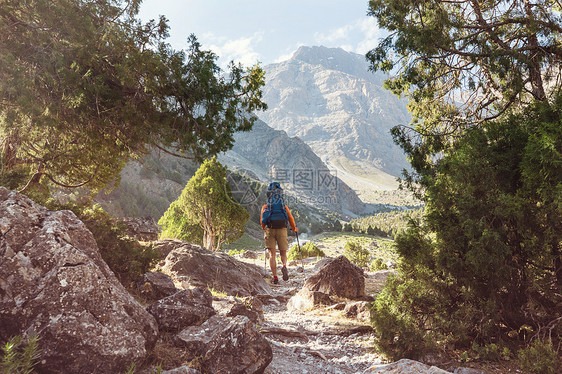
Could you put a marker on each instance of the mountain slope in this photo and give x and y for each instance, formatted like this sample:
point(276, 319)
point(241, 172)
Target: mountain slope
point(329, 99)
point(267, 154)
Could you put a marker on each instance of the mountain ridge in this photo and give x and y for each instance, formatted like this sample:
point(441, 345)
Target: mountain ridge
point(271, 154)
point(330, 99)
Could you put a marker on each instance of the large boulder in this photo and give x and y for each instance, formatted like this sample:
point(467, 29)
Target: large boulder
point(182, 309)
point(306, 299)
point(338, 277)
point(164, 247)
point(226, 345)
point(251, 307)
point(195, 266)
point(54, 282)
point(155, 285)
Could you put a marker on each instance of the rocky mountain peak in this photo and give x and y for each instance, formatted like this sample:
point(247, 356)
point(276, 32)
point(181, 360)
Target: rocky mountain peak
point(335, 59)
point(330, 99)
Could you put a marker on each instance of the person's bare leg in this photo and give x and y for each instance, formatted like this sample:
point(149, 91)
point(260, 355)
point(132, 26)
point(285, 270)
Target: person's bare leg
point(283, 256)
point(273, 261)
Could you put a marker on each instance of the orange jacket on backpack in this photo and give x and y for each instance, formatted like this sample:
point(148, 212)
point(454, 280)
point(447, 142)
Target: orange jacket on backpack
point(289, 215)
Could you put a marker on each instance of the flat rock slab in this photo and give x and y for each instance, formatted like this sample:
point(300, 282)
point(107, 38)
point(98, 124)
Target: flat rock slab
point(195, 266)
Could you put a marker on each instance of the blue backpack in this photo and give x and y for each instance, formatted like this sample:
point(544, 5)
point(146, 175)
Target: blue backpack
point(274, 215)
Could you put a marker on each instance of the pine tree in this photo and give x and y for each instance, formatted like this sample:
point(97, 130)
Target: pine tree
point(485, 144)
point(206, 212)
point(85, 87)
point(485, 263)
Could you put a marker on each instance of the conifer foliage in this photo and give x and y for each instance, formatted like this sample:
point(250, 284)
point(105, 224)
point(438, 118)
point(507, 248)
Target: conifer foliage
point(85, 87)
point(206, 212)
point(484, 264)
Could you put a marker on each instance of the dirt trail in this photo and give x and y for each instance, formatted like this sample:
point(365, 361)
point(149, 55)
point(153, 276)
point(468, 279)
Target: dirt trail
point(314, 341)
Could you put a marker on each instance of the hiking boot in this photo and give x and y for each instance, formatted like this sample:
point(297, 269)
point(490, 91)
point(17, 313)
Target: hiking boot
point(285, 273)
point(275, 280)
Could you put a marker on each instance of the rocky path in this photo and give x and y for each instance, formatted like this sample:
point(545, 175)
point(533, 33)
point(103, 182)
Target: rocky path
point(314, 341)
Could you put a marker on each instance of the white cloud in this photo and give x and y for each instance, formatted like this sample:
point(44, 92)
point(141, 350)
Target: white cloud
point(359, 36)
point(241, 50)
point(372, 33)
point(284, 57)
point(335, 35)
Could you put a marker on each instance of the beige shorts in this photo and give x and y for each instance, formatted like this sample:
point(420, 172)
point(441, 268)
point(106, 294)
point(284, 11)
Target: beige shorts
point(278, 236)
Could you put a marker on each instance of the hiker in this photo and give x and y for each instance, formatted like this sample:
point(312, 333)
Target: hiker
point(274, 218)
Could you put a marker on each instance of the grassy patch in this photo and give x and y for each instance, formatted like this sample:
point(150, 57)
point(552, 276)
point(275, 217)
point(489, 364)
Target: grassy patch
point(246, 242)
point(333, 243)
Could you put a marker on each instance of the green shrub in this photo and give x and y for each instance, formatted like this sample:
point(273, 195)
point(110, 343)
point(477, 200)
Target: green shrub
point(488, 352)
point(481, 262)
point(377, 265)
point(308, 249)
point(233, 252)
point(20, 355)
point(356, 254)
point(539, 358)
point(397, 334)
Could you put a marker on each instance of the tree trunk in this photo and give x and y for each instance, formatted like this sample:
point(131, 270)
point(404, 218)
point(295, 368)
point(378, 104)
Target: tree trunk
point(557, 266)
point(209, 235)
point(211, 242)
point(535, 76)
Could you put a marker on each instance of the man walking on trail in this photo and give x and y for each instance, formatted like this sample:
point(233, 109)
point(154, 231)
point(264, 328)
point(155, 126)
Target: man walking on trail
point(274, 218)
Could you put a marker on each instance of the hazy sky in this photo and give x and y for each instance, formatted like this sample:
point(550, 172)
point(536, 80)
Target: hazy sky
point(267, 31)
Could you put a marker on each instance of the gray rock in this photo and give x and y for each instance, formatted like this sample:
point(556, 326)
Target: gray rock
point(164, 247)
point(307, 299)
point(405, 366)
point(182, 370)
point(196, 266)
point(360, 310)
point(321, 263)
point(339, 277)
point(53, 281)
point(225, 345)
point(461, 370)
point(156, 285)
point(182, 309)
point(141, 228)
point(250, 307)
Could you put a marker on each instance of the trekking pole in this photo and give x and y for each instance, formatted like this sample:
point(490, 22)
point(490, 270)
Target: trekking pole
point(300, 251)
point(265, 261)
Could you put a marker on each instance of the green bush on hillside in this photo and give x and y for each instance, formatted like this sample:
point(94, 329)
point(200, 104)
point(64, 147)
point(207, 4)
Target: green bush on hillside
point(308, 249)
point(377, 265)
point(357, 254)
point(387, 224)
point(539, 358)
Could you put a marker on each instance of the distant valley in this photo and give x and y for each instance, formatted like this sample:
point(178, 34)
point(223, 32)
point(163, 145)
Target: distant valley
point(326, 137)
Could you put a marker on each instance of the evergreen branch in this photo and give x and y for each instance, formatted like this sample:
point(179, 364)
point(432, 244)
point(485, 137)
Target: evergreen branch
point(175, 154)
point(35, 178)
